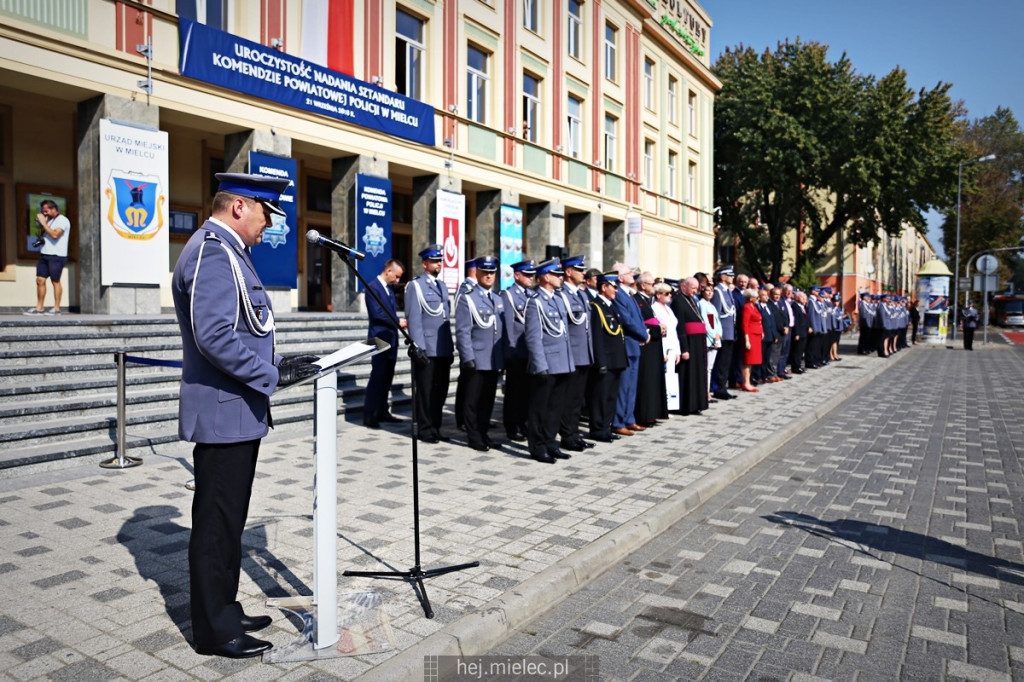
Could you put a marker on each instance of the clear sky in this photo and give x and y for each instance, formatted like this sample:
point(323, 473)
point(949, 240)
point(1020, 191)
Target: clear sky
point(974, 45)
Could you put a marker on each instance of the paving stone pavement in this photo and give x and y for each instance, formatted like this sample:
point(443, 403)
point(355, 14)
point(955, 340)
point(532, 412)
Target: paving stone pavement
point(94, 581)
point(883, 543)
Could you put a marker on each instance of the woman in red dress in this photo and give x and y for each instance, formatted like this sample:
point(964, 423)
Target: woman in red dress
point(752, 333)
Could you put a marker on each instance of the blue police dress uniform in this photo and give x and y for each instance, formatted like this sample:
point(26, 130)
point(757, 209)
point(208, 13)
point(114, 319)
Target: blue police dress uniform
point(726, 308)
point(382, 365)
point(577, 306)
point(460, 386)
point(429, 325)
point(479, 337)
point(549, 364)
point(517, 386)
point(228, 374)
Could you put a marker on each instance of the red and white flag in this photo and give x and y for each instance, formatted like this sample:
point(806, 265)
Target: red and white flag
point(327, 34)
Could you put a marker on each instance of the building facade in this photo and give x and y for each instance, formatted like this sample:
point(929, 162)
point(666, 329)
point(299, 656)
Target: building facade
point(576, 125)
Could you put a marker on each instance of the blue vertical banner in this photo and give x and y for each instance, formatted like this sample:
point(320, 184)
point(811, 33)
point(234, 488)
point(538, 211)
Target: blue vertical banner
point(373, 224)
point(511, 242)
point(277, 257)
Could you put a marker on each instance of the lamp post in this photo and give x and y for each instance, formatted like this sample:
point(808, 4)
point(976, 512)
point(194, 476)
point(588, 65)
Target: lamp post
point(956, 271)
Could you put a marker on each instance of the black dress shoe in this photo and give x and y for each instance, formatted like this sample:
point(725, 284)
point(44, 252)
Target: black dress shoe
point(244, 646)
point(255, 623)
point(545, 458)
point(572, 445)
point(601, 439)
point(487, 441)
point(443, 438)
point(585, 444)
point(558, 454)
point(388, 417)
point(482, 447)
point(371, 423)
point(515, 436)
point(429, 438)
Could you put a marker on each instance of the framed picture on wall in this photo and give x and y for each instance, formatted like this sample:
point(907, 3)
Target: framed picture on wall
point(30, 199)
point(184, 220)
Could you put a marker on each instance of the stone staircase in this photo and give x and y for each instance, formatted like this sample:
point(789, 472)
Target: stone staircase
point(58, 384)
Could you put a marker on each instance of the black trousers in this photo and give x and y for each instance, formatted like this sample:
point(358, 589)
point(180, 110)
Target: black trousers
point(220, 505)
point(460, 396)
point(547, 393)
point(382, 375)
point(517, 393)
point(478, 403)
point(723, 361)
point(602, 402)
point(968, 338)
point(572, 406)
point(432, 381)
point(797, 351)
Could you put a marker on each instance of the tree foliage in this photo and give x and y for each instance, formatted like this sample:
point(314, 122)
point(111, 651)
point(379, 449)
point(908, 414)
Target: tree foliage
point(805, 142)
point(992, 199)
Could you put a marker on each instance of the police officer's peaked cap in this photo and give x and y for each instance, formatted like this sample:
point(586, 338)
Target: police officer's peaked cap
point(262, 188)
point(611, 277)
point(471, 263)
point(865, 293)
point(674, 283)
point(576, 262)
point(725, 270)
point(432, 252)
point(826, 290)
point(527, 267)
point(486, 263)
point(550, 267)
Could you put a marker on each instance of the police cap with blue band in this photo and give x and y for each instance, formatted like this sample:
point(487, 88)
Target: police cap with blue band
point(432, 252)
point(265, 189)
point(550, 267)
point(575, 262)
point(486, 263)
point(611, 277)
point(725, 270)
point(527, 267)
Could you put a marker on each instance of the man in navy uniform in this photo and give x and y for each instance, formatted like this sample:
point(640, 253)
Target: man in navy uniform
point(609, 357)
point(577, 305)
point(429, 316)
point(479, 339)
point(382, 326)
point(517, 386)
point(467, 285)
point(549, 364)
point(229, 370)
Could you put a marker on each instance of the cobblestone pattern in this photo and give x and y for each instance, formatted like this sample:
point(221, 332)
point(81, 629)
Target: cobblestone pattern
point(883, 543)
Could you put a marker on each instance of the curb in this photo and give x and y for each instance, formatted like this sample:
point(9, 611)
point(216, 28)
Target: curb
point(480, 631)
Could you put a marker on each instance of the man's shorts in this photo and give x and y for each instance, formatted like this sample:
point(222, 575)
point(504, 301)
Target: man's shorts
point(50, 266)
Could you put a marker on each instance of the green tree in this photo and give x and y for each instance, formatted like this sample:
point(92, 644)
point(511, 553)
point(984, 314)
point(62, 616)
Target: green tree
point(992, 200)
point(802, 142)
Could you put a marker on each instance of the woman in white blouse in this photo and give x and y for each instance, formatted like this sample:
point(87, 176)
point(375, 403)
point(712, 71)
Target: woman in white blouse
point(714, 326)
point(662, 305)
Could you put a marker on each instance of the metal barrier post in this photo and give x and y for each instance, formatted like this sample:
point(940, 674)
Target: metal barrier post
point(121, 461)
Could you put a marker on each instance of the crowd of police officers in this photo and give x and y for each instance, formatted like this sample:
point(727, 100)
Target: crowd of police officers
point(562, 342)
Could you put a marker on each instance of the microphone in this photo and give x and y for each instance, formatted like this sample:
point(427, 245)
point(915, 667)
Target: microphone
point(314, 237)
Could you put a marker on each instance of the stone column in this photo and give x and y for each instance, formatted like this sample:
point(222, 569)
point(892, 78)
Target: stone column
point(586, 236)
point(93, 297)
point(344, 297)
point(236, 160)
point(545, 225)
point(488, 219)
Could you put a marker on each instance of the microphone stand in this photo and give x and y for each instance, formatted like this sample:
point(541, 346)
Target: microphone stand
point(416, 574)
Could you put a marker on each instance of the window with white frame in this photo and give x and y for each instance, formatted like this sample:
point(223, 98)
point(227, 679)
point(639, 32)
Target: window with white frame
point(673, 99)
point(574, 39)
point(476, 84)
point(610, 126)
point(409, 53)
point(673, 177)
point(530, 15)
point(648, 179)
point(531, 107)
point(691, 107)
point(648, 83)
point(575, 131)
point(691, 183)
point(611, 37)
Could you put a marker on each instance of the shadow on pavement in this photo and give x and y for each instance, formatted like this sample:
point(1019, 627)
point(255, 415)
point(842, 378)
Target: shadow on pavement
point(863, 536)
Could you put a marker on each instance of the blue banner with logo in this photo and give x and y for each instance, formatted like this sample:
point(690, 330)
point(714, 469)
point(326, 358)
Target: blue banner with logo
point(373, 224)
point(277, 257)
point(231, 62)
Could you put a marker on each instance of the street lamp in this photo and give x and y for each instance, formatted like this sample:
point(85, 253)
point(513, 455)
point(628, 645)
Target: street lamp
point(956, 271)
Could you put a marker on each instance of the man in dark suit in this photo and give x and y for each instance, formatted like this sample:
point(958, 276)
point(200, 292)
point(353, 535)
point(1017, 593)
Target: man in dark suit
point(229, 369)
point(801, 325)
point(771, 321)
point(609, 357)
point(624, 423)
point(382, 326)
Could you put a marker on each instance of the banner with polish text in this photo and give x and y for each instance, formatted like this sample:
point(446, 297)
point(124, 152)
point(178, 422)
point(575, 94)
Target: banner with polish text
point(276, 257)
point(373, 224)
point(451, 235)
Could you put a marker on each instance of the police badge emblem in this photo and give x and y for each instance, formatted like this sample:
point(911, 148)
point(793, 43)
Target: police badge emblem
point(374, 240)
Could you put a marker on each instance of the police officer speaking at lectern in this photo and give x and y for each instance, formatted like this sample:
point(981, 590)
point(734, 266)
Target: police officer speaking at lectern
point(229, 370)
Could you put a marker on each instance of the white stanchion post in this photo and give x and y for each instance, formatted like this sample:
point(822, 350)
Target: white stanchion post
point(325, 511)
